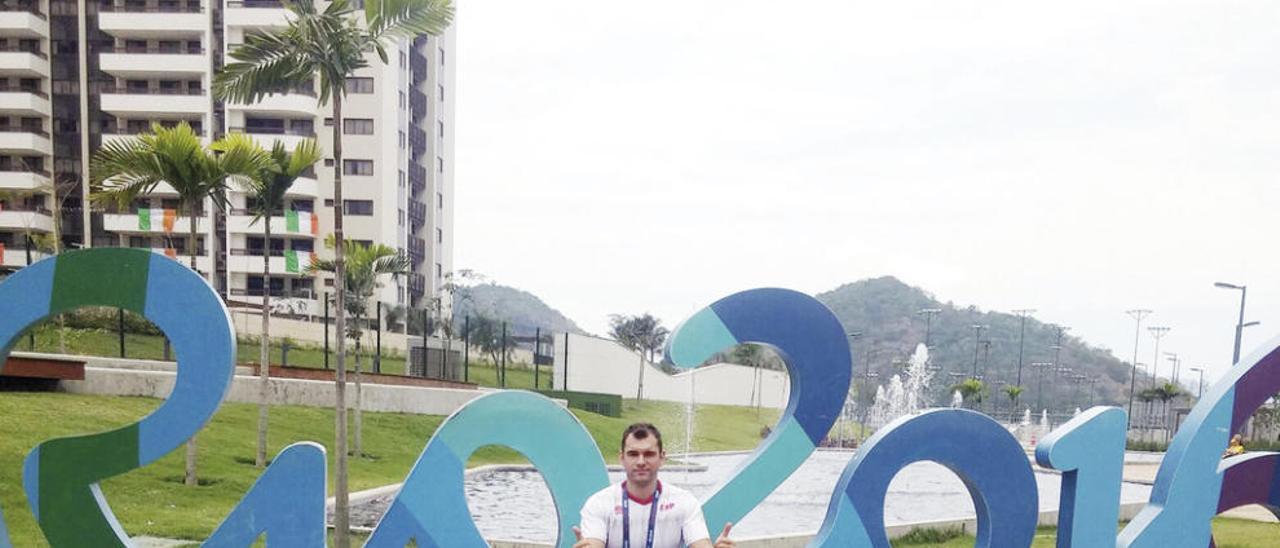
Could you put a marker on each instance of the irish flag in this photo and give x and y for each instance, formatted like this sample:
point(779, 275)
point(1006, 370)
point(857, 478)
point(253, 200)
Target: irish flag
point(293, 260)
point(295, 220)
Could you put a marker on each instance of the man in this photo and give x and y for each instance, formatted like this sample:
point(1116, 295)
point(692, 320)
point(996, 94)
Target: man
point(641, 511)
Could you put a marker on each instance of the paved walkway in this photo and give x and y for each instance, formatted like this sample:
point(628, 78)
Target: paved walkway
point(1146, 473)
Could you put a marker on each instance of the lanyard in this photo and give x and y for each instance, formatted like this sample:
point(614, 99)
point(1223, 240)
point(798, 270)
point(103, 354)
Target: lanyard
point(626, 518)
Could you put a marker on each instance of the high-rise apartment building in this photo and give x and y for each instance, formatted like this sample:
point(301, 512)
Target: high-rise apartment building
point(77, 73)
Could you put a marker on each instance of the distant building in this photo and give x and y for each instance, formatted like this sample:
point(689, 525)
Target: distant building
point(76, 74)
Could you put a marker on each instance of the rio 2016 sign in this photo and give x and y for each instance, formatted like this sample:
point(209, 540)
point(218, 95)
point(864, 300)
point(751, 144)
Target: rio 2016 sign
point(61, 476)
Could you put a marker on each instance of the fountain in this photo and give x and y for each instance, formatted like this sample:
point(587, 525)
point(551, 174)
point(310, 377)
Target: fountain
point(1044, 423)
point(957, 400)
point(1077, 412)
point(905, 392)
point(689, 413)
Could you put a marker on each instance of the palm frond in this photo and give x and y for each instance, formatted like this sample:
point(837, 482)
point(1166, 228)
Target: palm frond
point(407, 18)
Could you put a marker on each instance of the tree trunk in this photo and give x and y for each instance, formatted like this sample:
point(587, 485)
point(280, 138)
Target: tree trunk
point(189, 478)
point(359, 442)
point(264, 355)
point(341, 510)
point(640, 386)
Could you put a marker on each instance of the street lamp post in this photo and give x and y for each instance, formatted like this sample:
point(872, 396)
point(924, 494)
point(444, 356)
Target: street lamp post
point(1057, 350)
point(1158, 333)
point(1137, 315)
point(1235, 354)
point(853, 370)
point(1200, 384)
point(1173, 358)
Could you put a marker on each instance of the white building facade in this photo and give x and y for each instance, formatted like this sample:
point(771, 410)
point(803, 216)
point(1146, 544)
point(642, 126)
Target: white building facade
point(153, 61)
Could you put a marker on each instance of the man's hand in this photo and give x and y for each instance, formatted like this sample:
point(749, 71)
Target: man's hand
point(723, 541)
point(580, 542)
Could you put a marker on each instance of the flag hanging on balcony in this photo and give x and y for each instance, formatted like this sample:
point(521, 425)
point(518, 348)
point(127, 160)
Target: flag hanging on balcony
point(170, 216)
point(315, 224)
point(291, 261)
point(171, 253)
point(144, 218)
point(291, 220)
point(1, 252)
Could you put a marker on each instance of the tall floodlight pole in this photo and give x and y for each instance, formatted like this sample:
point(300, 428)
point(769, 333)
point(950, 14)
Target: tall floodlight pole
point(977, 342)
point(1173, 359)
point(1235, 354)
point(1137, 315)
point(928, 321)
point(853, 369)
point(1158, 333)
point(1200, 384)
point(1057, 350)
point(1022, 331)
point(1040, 382)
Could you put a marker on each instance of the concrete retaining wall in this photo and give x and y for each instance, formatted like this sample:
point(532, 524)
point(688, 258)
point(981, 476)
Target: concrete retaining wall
point(602, 365)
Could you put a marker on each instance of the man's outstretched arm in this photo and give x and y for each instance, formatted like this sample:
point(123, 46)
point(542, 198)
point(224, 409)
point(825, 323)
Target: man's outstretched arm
point(585, 542)
point(722, 541)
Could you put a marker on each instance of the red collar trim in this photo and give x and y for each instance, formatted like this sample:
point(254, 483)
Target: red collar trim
point(639, 500)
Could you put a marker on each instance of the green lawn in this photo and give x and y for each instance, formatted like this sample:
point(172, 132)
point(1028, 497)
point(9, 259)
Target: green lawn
point(152, 501)
point(1228, 533)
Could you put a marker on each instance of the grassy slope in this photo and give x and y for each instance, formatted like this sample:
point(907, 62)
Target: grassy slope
point(152, 501)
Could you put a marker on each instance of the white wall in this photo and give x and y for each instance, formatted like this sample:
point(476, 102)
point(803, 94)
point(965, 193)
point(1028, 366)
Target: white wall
point(602, 365)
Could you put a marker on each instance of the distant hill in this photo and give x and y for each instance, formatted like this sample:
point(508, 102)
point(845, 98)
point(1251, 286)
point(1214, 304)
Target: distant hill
point(885, 311)
point(523, 311)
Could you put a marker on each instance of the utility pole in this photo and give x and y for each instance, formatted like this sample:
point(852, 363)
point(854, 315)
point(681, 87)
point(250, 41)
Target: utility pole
point(1158, 333)
point(1057, 351)
point(853, 371)
point(1173, 358)
point(1200, 384)
point(1136, 314)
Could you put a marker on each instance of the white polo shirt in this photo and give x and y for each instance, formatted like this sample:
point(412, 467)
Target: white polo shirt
point(679, 520)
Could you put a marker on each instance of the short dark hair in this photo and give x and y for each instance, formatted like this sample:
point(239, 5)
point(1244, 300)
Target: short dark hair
point(641, 430)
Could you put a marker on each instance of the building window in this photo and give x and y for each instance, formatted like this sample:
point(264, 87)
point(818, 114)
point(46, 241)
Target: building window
point(359, 85)
point(402, 148)
point(357, 126)
point(442, 57)
point(440, 128)
point(403, 60)
point(357, 207)
point(439, 236)
point(439, 201)
point(402, 103)
point(328, 122)
point(441, 91)
point(439, 164)
point(328, 162)
point(439, 271)
point(357, 167)
point(401, 180)
point(401, 217)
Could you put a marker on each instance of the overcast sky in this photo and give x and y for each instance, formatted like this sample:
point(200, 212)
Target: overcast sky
point(1079, 158)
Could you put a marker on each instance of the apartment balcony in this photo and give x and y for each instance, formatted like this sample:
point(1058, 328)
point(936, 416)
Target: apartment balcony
point(153, 21)
point(285, 104)
point(21, 218)
point(204, 263)
point(417, 214)
point(24, 102)
point(24, 181)
point(418, 65)
point(241, 221)
point(257, 14)
point(152, 104)
point(15, 62)
point(417, 284)
point(23, 21)
point(417, 104)
point(267, 137)
point(249, 261)
point(141, 63)
point(24, 141)
point(417, 178)
point(133, 223)
point(15, 256)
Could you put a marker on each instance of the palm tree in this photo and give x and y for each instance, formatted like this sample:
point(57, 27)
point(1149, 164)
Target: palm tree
point(123, 170)
point(971, 390)
point(332, 44)
point(643, 334)
point(1013, 391)
point(1165, 393)
point(365, 265)
point(266, 191)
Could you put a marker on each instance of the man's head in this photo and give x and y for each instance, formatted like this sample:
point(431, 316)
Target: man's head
point(642, 454)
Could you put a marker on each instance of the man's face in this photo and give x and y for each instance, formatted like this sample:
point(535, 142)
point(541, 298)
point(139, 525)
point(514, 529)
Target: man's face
point(641, 459)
